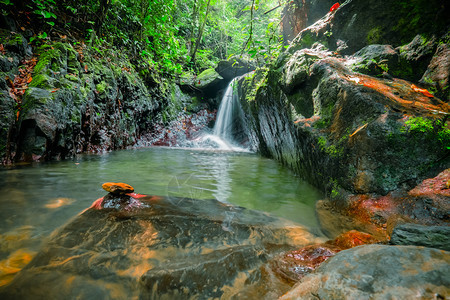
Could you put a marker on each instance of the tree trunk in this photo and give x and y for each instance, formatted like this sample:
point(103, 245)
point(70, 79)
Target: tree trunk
point(200, 33)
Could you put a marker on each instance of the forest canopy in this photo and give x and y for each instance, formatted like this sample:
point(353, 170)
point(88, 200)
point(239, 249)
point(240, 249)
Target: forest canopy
point(173, 36)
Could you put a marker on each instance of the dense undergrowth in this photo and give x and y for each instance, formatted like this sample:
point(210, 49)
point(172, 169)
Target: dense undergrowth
point(171, 37)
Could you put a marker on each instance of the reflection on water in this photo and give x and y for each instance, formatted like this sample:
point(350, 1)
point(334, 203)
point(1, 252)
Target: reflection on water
point(45, 196)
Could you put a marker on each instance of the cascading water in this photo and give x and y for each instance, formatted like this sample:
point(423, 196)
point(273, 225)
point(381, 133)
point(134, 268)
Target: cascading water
point(228, 125)
point(224, 120)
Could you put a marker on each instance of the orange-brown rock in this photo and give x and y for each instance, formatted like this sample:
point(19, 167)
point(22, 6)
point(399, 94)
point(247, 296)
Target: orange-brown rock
point(117, 188)
point(294, 265)
point(352, 239)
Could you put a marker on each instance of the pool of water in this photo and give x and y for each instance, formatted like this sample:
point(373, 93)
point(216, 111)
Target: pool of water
point(36, 199)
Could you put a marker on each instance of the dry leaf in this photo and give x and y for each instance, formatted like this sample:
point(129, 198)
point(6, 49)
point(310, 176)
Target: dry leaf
point(29, 79)
point(359, 129)
point(423, 91)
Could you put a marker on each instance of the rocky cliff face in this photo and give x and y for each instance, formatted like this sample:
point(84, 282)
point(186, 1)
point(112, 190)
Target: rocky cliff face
point(351, 113)
point(58, 100)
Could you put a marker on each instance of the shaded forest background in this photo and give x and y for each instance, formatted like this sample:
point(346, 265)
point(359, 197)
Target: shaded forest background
point(171, 36)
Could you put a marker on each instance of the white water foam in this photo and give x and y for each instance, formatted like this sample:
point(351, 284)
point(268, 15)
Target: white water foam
point(222, 135)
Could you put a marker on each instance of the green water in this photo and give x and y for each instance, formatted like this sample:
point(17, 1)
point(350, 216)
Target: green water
point(36, 199)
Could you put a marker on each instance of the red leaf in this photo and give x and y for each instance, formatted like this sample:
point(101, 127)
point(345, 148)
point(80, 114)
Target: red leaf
point(85, 68)
point(335, 6)
point(29, 79)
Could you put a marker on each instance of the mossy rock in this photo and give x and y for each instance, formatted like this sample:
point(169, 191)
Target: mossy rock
point(207, 77)
point(210, 82)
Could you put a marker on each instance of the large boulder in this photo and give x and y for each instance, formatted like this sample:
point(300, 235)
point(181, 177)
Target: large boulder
point(342, 129)
point(210, 82)
point(378, 272)
point(234, 66)
point(136, 246)
point(348, 133)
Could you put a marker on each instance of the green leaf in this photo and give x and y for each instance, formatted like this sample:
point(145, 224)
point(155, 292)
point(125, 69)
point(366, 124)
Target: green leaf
point(46, 14)
point(6, 2)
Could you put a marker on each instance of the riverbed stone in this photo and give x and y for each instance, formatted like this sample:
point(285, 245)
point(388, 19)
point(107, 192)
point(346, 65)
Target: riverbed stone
point(378, 272)
point(420, 235)
point(293, 265)
point(163, 247)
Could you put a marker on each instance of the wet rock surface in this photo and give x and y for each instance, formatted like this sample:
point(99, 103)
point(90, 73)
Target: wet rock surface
point(427, 204)
point(419, 235)
point(378, 272)
point(131, 245)
point(292, 266)
point(437, 75)
point(181, 132)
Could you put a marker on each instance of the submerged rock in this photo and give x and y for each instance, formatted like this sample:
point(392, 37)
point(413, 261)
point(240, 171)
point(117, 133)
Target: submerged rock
point(378, 272)
point(147, 247)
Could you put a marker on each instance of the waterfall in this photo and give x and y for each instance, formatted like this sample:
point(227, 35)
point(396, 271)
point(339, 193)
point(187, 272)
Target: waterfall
point(225, 116)
point(229, 131)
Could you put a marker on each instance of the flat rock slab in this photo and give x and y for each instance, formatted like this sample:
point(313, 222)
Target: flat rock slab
point(379, 272)
point(154, 247)
point(421, 235)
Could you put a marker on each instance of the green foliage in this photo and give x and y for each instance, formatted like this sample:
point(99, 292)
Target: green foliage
point(44, 9)
point(166, 36)
point(332, 150)
point(434, 130)
point(39, 38)
point(335, 187)
point(6, 2)
point(374, 35)
point(254, 82)
point(419, 125)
